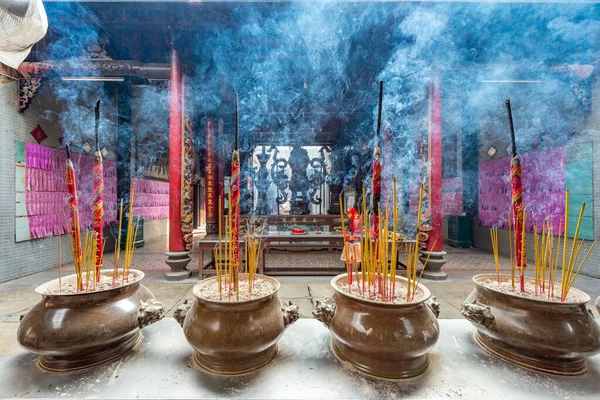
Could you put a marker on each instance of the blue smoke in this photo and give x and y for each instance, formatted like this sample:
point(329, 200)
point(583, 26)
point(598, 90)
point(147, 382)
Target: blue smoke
point(296, 66)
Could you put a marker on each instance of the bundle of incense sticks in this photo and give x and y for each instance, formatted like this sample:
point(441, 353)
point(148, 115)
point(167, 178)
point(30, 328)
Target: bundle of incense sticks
point(118, 248)
point(129, 238)
point(494, 236)
point(226, 268)
point(550, 257)
point(84, 265)
point(376, 278)
point(252, 247)
point(85, 255)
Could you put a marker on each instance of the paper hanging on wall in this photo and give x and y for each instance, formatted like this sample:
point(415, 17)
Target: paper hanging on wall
point(38, 134)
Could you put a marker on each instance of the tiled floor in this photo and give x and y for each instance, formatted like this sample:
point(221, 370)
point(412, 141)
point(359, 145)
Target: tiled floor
point(17, 296)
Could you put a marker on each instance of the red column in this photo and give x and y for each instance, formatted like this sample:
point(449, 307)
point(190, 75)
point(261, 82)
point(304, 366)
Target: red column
point(210, 176)
point(435, 154)
point(220, 169)
point(175, 145)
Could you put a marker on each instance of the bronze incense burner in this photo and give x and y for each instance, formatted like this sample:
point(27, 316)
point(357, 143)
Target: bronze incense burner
point(237, 337)
point(381, 339)
point(81, 330)
point(544, 336)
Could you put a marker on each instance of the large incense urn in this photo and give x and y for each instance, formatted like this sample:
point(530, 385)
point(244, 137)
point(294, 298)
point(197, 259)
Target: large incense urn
point(81, 330)
point(235, 337)
point(540, 335)
point(381, 339)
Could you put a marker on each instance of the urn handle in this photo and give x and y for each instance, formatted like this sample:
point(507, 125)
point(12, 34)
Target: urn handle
point(434, 306)
point(324, 310)
point(478, 314)
point(291, 313)
point(590, 312)
point(181, 311)
point(149, 312)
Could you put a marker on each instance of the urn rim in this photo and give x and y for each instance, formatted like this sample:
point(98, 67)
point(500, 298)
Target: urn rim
point(426, 294)
point(479, 277)
point(274, 282)
point(41, 289)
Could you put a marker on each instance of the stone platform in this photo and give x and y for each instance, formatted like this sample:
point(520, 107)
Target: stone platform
point(305, 368)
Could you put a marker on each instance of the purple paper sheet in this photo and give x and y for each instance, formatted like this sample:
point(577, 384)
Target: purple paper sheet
point(543, 188)
point(46, 190)
point(151, 199)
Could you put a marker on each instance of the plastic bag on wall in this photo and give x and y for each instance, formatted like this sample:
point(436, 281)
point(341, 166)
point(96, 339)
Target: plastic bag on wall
point(22, 24)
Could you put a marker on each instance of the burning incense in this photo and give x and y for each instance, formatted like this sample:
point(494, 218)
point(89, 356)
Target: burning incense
point(98, 196)
point(412, 274)
point(565, 236)
point(218, 265)
point(377, 167)
point(253, 245)
point(118, 249)
point(59, 264)
point(346, 255)
point(523, 252)
point(568, 276)
point(130, 237)
point(424, 266)
point(74, 215)
point(517, 200)
point(510, 247)
point(394, 243)
point(547, 256)
point(234, 203)
point(494, 236)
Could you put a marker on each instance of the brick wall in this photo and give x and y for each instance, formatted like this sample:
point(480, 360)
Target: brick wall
point(24, 258)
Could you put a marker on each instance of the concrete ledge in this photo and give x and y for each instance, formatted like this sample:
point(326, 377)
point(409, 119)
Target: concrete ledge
point(304, 367)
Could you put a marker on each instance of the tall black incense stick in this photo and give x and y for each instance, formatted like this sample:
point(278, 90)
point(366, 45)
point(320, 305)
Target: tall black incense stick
point(380, 107)
point(97, 111)
point(512, 129)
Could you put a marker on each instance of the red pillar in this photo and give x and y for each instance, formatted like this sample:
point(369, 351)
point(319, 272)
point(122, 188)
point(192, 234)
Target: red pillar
point(176, 243)
point(211, 189)
point(219, 146)
point(435, 154)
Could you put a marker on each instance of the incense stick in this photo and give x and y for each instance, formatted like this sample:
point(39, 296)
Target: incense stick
point(59, 265)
